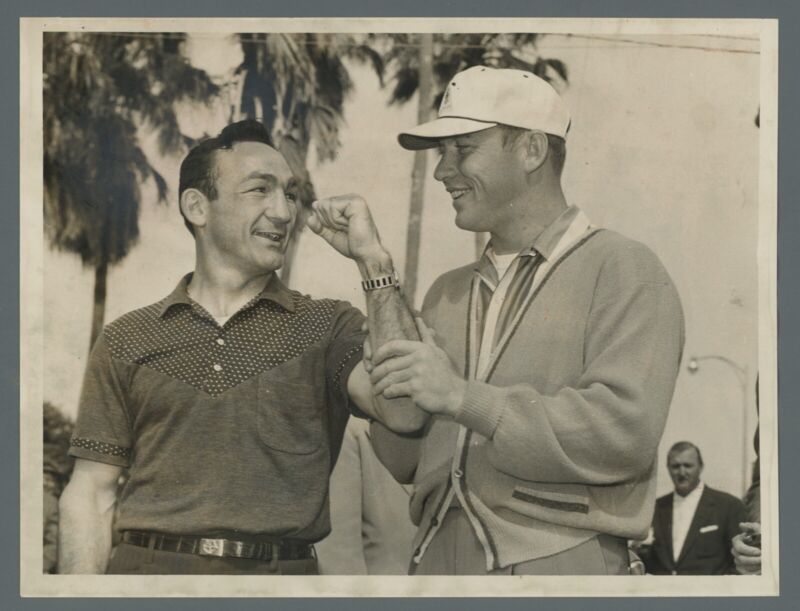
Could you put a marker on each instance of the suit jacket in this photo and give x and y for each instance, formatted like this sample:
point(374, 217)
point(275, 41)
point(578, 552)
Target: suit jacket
point(707, 548)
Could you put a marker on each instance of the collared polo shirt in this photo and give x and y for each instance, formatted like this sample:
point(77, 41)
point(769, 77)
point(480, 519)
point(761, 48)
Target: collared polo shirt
point(231, 428)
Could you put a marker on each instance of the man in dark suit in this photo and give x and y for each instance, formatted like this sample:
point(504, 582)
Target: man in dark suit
point(693, 526)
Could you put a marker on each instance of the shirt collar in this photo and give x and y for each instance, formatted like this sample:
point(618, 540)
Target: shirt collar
point(274, 290)
point(543, 245)
point(694, 494)
point(546, 242)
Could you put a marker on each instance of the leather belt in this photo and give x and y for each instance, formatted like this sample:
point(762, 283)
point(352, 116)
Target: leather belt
point(221, 548)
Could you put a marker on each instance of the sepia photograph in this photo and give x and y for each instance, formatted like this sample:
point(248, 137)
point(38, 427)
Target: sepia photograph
point(399, 307)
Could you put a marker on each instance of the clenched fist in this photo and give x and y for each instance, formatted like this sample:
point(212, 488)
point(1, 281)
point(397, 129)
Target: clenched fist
point(345, 222)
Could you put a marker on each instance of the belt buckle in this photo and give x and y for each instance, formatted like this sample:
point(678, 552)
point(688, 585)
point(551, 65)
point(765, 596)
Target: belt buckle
point(212, 547)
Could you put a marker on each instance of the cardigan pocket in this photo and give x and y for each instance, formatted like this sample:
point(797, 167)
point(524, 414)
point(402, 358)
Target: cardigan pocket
point(560, 501)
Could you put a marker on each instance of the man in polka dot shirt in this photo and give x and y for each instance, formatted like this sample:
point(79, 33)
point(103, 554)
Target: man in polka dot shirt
point(227, 400)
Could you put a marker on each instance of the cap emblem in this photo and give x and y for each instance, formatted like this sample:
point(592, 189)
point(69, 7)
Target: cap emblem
point(446, 102)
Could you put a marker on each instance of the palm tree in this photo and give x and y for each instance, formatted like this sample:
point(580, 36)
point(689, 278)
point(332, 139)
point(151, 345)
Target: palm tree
point(296, 84)
point(407, 59)
point(420, 170)
point(453, 53)
point(99, 89)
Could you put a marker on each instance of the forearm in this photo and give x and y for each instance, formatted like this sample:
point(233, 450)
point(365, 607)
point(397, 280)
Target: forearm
point(390, 318)
point(84, 531)
point(388, 313)
point(398, 453)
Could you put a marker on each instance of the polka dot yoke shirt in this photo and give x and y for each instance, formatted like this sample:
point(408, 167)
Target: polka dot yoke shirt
point(229, 428)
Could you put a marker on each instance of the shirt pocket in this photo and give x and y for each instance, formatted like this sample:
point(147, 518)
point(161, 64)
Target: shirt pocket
point(290, 416)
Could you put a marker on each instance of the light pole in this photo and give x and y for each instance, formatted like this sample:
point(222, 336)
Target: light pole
point(741, 377)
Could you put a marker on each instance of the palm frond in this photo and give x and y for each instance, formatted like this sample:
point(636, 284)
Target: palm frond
point(366, 54)
point(559, 67)
point(98, 89)
point(454, 52)
point(324, 124)
point(406, 81)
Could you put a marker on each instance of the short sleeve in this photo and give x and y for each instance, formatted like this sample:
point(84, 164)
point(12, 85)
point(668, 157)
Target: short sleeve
point(103, 431)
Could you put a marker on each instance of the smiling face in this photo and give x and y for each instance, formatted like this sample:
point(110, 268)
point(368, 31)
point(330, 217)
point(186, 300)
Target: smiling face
point(249, 223)
point(485, 178)
point(684, 469)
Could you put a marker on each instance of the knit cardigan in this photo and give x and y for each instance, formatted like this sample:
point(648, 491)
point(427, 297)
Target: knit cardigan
point(564, 433)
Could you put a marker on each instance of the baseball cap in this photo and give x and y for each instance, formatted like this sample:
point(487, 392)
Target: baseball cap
point(481, 97)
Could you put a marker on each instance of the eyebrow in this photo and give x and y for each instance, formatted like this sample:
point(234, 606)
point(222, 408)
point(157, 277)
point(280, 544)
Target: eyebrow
point(458, 139)
point(271, 178)
point(441, 145)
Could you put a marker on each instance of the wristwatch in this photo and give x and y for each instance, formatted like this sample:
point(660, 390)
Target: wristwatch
point(381, 282)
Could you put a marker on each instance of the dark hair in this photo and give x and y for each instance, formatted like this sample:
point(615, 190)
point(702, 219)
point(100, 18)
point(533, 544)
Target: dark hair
point(682, 446)
point(556, 145)
point(198, 167)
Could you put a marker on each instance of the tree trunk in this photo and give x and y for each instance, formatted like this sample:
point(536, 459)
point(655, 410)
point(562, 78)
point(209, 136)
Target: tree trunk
point(99, 308)
point(420, 170)
point(295, 153)
point(285, 272)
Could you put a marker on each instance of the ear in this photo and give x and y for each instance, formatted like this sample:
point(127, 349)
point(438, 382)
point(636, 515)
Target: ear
point(535, 150)
point(194, 206)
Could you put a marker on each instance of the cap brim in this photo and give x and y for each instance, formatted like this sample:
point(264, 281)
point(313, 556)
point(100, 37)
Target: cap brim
point(427, 135)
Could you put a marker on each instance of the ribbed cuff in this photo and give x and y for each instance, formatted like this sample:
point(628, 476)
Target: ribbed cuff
point(480, 411)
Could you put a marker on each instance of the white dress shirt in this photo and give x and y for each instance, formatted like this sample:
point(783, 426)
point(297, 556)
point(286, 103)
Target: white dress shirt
point(683, 508)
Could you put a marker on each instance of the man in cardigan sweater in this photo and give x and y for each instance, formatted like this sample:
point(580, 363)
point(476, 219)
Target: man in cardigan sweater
point(548, 367)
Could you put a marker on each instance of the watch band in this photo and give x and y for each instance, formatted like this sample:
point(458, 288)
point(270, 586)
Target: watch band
point(381, 282)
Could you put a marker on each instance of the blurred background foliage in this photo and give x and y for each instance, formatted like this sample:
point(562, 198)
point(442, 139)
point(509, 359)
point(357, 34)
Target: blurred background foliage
point(99, 90)
point(57, 469)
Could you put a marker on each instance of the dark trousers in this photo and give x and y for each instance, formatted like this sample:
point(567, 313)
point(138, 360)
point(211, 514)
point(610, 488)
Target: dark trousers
point(127, 559)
